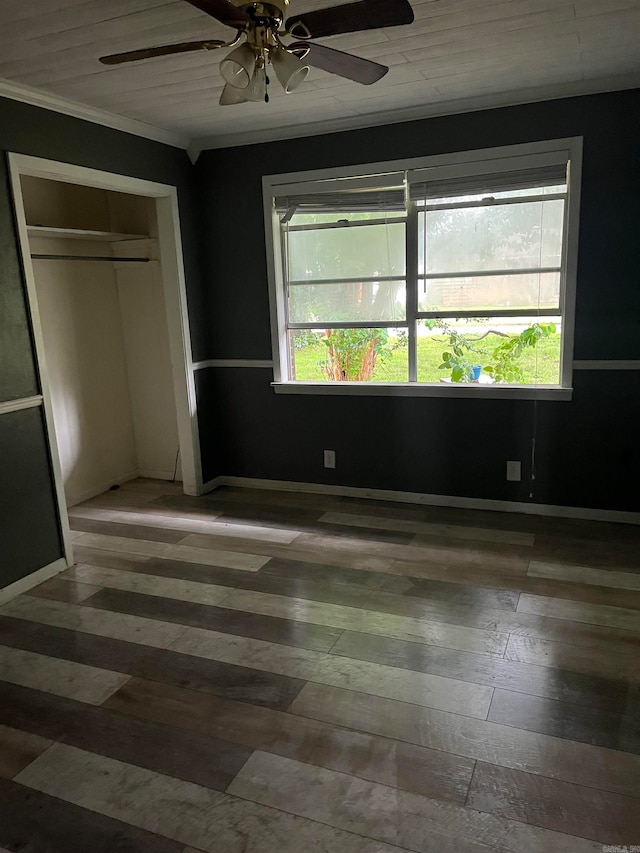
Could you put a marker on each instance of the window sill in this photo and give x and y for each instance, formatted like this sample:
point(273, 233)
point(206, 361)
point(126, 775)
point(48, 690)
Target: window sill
point(402, 389)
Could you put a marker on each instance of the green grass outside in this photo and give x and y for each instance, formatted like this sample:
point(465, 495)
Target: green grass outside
point(541, 365)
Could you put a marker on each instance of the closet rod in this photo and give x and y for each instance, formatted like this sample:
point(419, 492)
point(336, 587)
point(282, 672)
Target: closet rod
point(90, 258)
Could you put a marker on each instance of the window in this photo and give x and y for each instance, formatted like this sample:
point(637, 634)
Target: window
point(448, 276)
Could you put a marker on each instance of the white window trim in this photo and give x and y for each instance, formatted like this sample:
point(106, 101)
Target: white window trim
point(273, 185)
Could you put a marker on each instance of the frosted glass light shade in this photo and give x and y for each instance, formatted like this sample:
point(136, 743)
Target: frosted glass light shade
point(237, 68)
point(290, 70)
point(232, 95)
point(258, 87)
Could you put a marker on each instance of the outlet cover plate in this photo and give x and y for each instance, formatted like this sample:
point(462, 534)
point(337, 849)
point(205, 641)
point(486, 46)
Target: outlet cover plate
point(514, 472)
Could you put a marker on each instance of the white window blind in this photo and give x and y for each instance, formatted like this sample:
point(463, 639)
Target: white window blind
point(491, 176)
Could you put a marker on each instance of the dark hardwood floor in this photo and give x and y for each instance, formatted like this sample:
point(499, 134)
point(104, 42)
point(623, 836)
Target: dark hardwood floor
point(273, 672)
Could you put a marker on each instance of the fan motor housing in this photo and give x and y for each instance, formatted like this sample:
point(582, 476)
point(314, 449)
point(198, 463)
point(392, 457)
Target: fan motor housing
point(272, 9)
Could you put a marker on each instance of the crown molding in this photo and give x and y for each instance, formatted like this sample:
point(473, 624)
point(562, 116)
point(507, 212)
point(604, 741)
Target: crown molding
point(48, 101)
point(422, 111)
point(194, 147)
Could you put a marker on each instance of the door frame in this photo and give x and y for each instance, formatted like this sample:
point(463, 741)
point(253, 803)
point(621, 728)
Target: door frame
point(165, 198)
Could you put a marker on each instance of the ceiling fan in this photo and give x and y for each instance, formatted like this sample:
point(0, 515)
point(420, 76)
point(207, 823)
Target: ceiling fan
point(260, 28)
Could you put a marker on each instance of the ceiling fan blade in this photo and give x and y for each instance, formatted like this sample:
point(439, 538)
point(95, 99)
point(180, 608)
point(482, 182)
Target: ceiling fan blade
point(164, 50)
point(351, 18)
point(223, 11)
point(231, 95)
point(340, 63)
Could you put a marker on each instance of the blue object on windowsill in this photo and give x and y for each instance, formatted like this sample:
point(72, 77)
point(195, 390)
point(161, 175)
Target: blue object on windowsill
point(474, 372)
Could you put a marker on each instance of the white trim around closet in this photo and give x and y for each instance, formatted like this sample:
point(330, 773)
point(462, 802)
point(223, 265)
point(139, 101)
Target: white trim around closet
point(171, 260)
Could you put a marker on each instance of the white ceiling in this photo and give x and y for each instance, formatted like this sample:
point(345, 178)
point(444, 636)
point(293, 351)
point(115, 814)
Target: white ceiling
point(458, 54)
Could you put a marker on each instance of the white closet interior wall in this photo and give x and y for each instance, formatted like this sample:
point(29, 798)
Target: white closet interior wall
point(105, 338)
point(148, 359)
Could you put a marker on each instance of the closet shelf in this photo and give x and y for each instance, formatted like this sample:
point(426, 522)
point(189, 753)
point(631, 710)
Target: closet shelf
point(81, 234)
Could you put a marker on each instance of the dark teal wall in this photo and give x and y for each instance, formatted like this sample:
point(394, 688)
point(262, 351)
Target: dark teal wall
point(28, 522)
point(29, 130)
point(608, 303)
point(30, 533)
point(586, 449)
point(17, 368)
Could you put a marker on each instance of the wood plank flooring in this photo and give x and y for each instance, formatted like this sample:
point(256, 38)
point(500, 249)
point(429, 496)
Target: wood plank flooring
point(269, 672)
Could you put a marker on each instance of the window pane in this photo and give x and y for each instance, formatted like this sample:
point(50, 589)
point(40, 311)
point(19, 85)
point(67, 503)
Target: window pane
point(349, 355)
point(499, 236)
point(338, 253)
point(489, 292)
point(362, 301)
point(498, 350)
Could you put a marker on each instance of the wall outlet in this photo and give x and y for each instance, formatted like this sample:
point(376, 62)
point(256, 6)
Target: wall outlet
point(329, 459)
point(514, 471)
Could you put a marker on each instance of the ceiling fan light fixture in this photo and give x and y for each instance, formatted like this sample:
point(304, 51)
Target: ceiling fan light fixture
point(238, 67)
point(261, 24)
point(290, 70)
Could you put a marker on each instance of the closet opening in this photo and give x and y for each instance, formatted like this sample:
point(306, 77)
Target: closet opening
point(105, 283)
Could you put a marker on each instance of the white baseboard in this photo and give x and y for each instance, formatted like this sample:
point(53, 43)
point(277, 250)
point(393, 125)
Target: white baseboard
point(34, 579)
point(587, 513)
point(94, 491)
point(157, 474)
point(217, 481)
